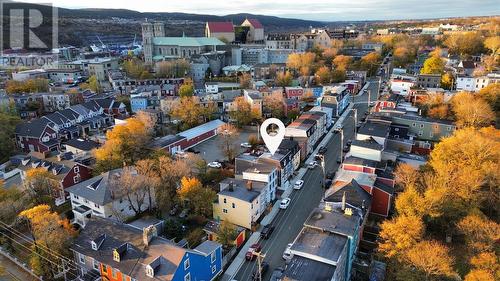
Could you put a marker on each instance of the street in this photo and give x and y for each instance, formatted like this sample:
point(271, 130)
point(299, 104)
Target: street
point(289, 222)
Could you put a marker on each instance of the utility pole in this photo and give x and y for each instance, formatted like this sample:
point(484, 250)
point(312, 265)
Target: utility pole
point(355, 120)
point(260, 257)
point(341, 145)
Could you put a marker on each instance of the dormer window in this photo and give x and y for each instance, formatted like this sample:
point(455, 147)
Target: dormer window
point(94, 246)
point(150, 271)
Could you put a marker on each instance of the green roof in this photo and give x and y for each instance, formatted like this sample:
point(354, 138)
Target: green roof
point(163, 57)
point(187, 41)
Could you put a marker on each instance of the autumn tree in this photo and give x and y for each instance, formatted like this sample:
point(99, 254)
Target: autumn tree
point(301, 63)
point(242, 112)
point(284, 79)
point(8, 123)
point(172, 68)
point(406, 176)
point(226, 234)
point(191, 112)
point(447, 81)
point(92, 84)
point(42, 184)
point(131, 186)
point(480, 233)
point(491, 94)
point(125, 144)
point(50, 234)
point(370, 62)
point(432, 258)
point(471, 111)
point(274, 104)
point(36, 85)
point(342, 62)
point(12, 202)
point(229, 136)
point(323, 75)
point(245, 80)
point(411, 203)
point(186, 90)
point(199, 198)
point(485, 267)
point(134, 67)
point(399, 235)
point(464, 43)
point(433, 65)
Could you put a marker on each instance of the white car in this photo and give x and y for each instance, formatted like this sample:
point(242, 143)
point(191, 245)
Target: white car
point(312, 165)
point(216, 165)
point(246, 145)
point(287, 254)
point(298, 185)
point(284, 203)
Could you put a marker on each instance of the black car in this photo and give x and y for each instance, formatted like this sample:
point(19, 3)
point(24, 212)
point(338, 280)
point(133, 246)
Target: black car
point(264, 268)
point(349, 142)
point(266, 231)
point(330, 175)
point(339, 160)
point(346, 149)
point(322, 150)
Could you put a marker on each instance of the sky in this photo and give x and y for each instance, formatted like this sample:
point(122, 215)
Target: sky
point(322, 10)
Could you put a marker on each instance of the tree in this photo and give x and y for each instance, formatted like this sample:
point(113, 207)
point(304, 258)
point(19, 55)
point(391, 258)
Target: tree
point(464, 43)
point(174, 68)
point(432, 258)
point(146, 75)
point(491, 94)
point(8, 123)
point(186, 90)
point(36, 85)
point(226, 234)
point(439, 112)
point(189, 111)
point(433, 65)
point(134, 67)
point(48, 231)
point(447, 81)
point(471, 111)
point(198, 197)
point(12, 202)
point(245, 80)
point(485, 267)
point(411, 203)
point(342, 62)
point(406, 176)
point(92, 84)
point(133, 187)
point(480, 233)
point(338, 75)
point(324, 75)
point(125, 144)
point(42, 184)
point(302, 62)
point(229, 135)
point(399, 235)
point(284, 79)
point(480, 275)
point(370, 62)
point(242, 112)
point(274, 104)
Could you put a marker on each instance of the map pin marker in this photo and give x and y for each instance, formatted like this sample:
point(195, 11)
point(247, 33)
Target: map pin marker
point(272, 140)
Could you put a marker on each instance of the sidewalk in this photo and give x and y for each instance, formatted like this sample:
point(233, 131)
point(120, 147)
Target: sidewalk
point(238, 261)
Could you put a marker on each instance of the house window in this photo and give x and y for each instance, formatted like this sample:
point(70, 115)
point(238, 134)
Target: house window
point(234, 205)
point(76, 169)
point(212, 257)
point(186, 264)
point(76, 179)
point(225, 200)
point(81, 258)
point(95, 265)
point(224, 211)
point(187, 277)
point(449, 128)
point(421, 125)
point(420, 133)
point(414, 124)
point(97, 206)
point(214, 268)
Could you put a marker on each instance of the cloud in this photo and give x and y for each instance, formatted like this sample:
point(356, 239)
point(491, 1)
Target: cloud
point(327, 10)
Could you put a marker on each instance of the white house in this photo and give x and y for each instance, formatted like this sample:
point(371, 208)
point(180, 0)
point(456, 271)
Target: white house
point(211, 87)
point(401, 84)
point(465, 83)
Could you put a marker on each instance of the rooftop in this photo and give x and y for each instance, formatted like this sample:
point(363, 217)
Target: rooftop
point(220, 26)
point(324, 246)
point(240, 189)
point(374, 129)
point(303, 269)
point(199, 130)
point(187, 41)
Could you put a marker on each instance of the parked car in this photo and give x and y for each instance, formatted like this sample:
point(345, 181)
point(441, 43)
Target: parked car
point(174, 210)
point(266, 231)
point(337, 128)
point(246, 145)
point(287, 254)
point(284, 203)
point(318, 156)
point(298, 185)
point(345, 149)
point(264, 267)
point(322, 150)
point(184, 213)
point(312, 165)
point(215, 165)
point(255, 248)
point(330, 175)
point(349, 142)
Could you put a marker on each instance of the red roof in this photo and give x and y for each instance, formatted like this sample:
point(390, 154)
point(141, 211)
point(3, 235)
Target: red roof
point(255, 23)
point(220, 27)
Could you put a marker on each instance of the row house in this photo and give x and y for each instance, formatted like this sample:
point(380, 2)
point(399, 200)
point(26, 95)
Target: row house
point(294, 92)
point(44, 134)
point(242, 201)
point(65, 170)
point(401, 84)
point(126, 85)
point(114, 251)
point(336, 97)
point(101, 196)
point(475, 84)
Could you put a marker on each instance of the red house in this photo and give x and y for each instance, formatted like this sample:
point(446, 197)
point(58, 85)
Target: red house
point(38, 135)
point(294, 92)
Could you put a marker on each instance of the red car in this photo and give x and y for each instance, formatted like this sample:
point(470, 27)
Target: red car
point(255, 248)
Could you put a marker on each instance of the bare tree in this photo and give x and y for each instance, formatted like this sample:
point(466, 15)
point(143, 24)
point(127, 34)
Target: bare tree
point(229, 135)
point(129, 184)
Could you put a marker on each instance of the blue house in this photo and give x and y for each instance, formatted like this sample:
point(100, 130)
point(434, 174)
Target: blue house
point(138, 103)
point(117, 251)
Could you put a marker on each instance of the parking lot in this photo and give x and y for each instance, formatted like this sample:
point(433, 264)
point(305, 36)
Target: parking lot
point(210, 150)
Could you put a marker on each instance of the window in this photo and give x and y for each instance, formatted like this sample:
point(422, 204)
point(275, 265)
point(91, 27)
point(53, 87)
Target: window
point(214, 268)
point(396, 129)
point(420, 133)
point(81, 258)
point(187, 277)
point(421, 125)
point(76, 179)
point(212, 257)
point(224, 211)
point(97, 206)
point(76, 169)
point(449, 128)
point(225, 200)
point(414, 124)
point(186, 264)
point(95, 265)
point(234, 205)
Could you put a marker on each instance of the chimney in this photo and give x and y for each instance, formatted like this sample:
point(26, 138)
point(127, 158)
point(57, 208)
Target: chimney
point(249, 185)
point(343, 201)
point(231, 187)
point(348, 212)
point(148, 233)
